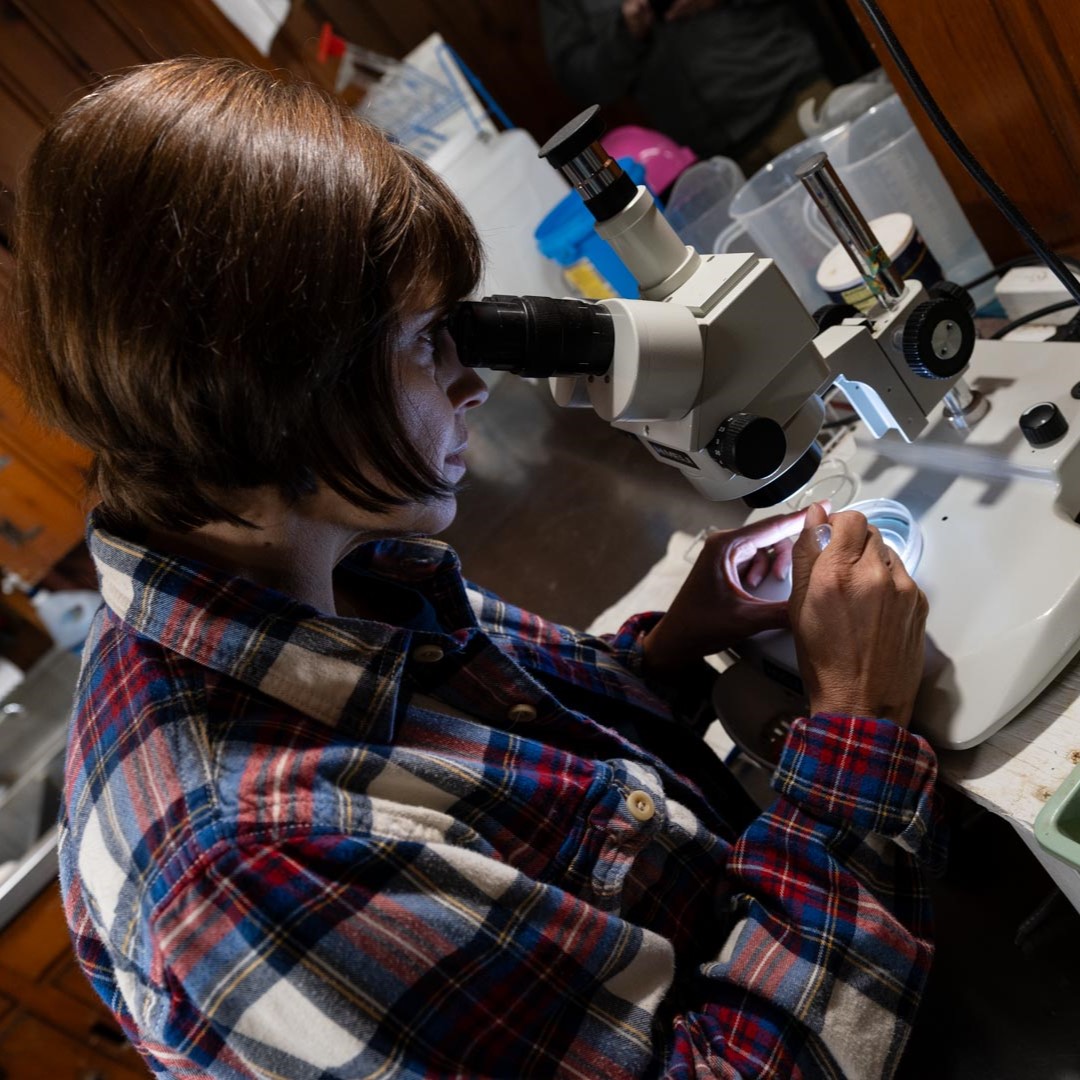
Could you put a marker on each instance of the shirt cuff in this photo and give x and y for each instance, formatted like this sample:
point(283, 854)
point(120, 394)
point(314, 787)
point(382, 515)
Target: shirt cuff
point(870, 775)
point(687, 694)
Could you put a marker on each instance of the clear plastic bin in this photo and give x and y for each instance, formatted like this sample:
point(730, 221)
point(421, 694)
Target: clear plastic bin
point(888, 167)
point(773, 216)
point(698, 206)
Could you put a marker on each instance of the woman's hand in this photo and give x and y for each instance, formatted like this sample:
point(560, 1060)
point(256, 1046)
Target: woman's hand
point(858, 621)
point(713, 609)
point(639, 18)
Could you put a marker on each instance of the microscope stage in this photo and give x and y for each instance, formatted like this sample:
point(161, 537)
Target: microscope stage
point(1001, 549)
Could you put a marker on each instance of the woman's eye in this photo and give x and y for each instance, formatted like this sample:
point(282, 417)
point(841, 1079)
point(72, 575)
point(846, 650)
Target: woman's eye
point(429, 339)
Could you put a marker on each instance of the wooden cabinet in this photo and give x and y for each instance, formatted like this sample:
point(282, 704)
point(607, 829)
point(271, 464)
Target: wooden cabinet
point(51, 1022)
point(1006, 73)
point(39, 523)
point(50, 52)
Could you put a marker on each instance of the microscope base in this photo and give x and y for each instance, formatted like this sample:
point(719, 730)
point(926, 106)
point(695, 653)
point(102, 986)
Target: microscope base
point(1001, 555)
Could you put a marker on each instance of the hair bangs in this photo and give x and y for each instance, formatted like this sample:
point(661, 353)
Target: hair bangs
point(440, 259)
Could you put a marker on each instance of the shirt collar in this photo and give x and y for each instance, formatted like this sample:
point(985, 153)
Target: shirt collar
point(330, 668)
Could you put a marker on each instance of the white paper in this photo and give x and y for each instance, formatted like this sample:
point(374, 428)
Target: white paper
point(258, 20)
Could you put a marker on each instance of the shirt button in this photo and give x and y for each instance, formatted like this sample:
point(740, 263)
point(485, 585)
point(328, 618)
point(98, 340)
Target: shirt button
point(641, 805)
point(521, 714)
point(427, 654)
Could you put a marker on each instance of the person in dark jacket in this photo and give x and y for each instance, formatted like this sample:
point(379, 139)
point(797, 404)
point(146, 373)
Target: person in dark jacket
point(721, 76)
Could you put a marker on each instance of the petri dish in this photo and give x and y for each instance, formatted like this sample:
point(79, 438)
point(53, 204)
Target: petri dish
point(898, 528)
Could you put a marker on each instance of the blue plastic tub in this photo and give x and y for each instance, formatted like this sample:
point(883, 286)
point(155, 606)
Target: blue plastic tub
point(589, 263)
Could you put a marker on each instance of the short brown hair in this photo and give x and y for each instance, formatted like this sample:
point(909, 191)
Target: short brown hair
point(212, 264)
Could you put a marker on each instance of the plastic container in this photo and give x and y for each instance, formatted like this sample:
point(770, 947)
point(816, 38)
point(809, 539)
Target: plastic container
point(902, 242)
point(1057, 825)
point(507, 190)
point(67, 614)
point(773, 216)
point(844, 103)
point(589, 264)
point(887, 167)
point(698, 206)
point(663, 158)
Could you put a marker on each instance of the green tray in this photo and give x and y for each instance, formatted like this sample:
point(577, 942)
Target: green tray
point(1057, 826)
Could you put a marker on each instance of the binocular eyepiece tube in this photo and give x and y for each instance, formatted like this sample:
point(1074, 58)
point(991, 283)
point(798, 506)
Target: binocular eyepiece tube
point(533, 336)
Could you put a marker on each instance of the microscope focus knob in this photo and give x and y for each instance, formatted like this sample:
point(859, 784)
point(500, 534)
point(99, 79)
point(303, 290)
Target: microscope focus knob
point(748, 445)
point(1043, 424)
point(939, 338)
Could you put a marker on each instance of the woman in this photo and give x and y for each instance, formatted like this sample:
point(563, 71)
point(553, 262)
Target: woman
point(329, 809)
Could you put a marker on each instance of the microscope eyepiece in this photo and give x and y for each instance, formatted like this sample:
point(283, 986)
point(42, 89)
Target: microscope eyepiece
point(533, 336)
point(575, 149)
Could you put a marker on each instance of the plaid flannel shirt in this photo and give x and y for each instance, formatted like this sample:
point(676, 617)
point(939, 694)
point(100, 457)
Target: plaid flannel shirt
point(296, 845)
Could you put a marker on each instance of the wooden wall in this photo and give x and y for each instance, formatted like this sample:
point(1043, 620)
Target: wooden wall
point(1007, 75)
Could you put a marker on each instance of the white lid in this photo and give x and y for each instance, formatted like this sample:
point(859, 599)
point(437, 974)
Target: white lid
point(837, 272)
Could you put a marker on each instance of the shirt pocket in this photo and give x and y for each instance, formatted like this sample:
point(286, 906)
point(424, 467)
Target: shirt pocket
point(622, 823)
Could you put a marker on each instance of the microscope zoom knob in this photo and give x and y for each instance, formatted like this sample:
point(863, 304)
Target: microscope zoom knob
point(939, 338)
point(748, 445)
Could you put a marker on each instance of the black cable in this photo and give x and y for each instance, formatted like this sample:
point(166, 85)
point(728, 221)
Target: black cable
point(1070, 331)
point(966, 158)
point(1032, 316)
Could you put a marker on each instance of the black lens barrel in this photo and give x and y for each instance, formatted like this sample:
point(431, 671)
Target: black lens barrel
point(534, 336)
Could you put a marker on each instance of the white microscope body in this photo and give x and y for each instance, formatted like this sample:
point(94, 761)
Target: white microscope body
point(719, 336)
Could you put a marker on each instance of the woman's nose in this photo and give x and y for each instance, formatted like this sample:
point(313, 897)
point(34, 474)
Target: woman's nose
point(476, 392)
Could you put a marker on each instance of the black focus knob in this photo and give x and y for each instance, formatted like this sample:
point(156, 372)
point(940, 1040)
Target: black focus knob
point(949, 290)
point(939, 338)
point(1043, 424)
point(751, 446)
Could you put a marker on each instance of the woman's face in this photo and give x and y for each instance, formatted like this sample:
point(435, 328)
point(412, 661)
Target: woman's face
point(436, 391)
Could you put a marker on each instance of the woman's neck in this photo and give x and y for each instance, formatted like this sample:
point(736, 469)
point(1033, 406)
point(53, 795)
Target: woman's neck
point(288, 550)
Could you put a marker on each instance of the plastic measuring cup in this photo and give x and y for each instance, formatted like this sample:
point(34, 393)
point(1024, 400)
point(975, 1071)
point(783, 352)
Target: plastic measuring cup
point(773, 216)
point(698, 205)
point(887, 167)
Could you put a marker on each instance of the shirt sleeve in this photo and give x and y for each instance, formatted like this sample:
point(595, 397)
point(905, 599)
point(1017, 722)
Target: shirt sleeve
point(595, 60)
point(685, 695)
point(414, 950)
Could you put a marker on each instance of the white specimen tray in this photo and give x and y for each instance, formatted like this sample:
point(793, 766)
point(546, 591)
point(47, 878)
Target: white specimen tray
point(1001, 556)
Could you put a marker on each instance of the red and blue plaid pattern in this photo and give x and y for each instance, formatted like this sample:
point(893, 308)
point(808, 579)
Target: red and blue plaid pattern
point(296, 845)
